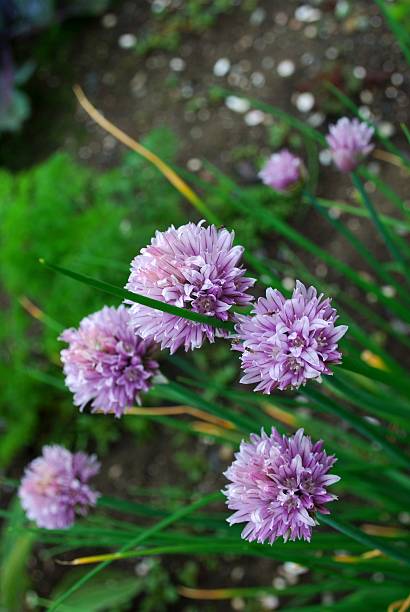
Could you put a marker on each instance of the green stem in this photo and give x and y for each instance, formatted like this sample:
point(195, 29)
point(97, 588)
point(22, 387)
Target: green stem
point(399, 32)
point(377, 221)
point(299, 239)
point(326, 404)
point(179, 393)
point(357, 211)
point(384, 189)
point(227, 545)
point(358, 245)
point(181, 513)
point(406, 131)
point(366, 540)
point(142, 299)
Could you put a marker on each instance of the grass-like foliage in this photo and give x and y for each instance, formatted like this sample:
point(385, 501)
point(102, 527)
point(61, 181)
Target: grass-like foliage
point(67, 213)
point(86, 229)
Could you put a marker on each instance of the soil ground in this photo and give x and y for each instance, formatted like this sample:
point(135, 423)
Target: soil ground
point(173, 89)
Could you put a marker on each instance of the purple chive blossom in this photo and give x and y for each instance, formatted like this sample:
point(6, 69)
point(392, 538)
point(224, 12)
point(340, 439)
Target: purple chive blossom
point(55, 487)
point(282, 171)
point(349, 142)
point(193, 267)
point(288, 341)
point(278, 483)
point(106, 363)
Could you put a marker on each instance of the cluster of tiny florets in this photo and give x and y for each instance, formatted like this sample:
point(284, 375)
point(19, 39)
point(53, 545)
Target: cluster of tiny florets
point(349, 141)
point(286, 342)
point(277, 485)
point(282, 171)
point(192, 267)
point(55, 488)
point(106, 364)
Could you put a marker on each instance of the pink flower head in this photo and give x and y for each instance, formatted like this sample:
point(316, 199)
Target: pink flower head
point(193, 267)
point(55, 487)
point(349, 142)
point(288, 341)
point(106, 363)
point(278, 484)
point(282, 171)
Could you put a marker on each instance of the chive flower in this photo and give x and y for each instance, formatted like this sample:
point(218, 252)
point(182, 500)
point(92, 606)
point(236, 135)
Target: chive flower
point(55, 488)
point(286, 342)
point(277, 485)
point(282, 171)
point(106, 363)
point(193, 267)
point(349, 142)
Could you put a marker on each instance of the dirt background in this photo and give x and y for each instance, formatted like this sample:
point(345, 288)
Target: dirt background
point(139, 93)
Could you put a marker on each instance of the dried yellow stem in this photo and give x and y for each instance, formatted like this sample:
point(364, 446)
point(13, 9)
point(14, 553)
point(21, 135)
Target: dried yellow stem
point(279, 414)
point(370, 554)
point(175, 411)
point(390, 158)
point(210, 594)
point(132, 144)
point(401, 605)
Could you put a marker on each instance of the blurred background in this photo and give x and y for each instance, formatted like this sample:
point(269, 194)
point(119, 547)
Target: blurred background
point(171, 74)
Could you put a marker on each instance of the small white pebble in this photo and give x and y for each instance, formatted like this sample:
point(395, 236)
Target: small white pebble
point(254, 117)
point(397, 79)
point(371, 420)
point(342, 9)
point(143, 567)
point(307, 13)
point(222, 67)
point(325, 157)
point(159, 5)
point(257, 17)
point(257, 79)
point(109, 20)
point(279, 583)
point(386, 129)
point(109, 143)
point(366, 96)
point(288, 283)
point(286, 68)
point(237, 603)
point(365, 112)
point(359, 72)
point(316, 119)
point(334, 213)
point(294, 569)
point(194, 164)
point(310, 31)
point(269, 602)
point(238, 105)
point(177, 64)
point(388, 291)
point(127, 41)
point(305, 102)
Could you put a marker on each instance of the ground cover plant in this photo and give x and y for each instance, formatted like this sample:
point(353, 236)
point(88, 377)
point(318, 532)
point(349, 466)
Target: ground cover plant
point(306, 360)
